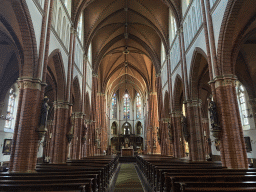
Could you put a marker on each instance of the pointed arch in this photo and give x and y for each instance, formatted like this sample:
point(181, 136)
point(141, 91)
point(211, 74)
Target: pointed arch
point(77, 104)
point(56, 67)
point(178, 93)
point(199, 65)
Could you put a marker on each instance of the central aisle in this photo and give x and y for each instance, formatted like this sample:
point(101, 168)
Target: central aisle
point(128, 179)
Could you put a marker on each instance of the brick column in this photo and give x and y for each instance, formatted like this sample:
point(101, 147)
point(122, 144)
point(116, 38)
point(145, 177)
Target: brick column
point(25, 138)
point(179, 151)
point(77, 140)
point(60, 135)
point(206, 136)
point(194, 124)
point(232, 145)
point(168, 142)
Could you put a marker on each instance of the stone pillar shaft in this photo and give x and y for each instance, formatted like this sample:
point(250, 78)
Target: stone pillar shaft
point(25, 139)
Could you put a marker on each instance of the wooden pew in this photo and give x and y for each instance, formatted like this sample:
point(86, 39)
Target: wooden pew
point(174, 182)
point(55, 177)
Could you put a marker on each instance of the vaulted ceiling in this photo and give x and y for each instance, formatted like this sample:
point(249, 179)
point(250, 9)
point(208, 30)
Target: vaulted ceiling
point(126, 37)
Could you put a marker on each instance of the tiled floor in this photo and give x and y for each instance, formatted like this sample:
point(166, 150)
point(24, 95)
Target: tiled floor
point(128, 179)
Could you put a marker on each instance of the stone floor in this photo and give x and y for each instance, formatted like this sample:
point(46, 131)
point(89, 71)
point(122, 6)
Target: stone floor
point(128, 180)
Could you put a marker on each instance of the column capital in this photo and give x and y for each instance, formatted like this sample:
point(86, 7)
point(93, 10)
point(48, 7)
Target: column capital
point(158, 74)
point(78, 115)
point(153, 93)
point(166, 120)
point(29, 83)
point(100, 94)
point(176, 113)
point(61, 104)
point(95, 75)
point(224, 80)
point(194, 103)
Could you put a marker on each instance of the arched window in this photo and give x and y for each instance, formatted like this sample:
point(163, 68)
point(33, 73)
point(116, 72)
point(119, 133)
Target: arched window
point(114, 107)
point(90, 54)
point(173, 27)
point(162, 53)
point(79, 27)
point(199, 20)
point(65, 2)
point(10, 109)
point(185, 35)
point(194, 20)
point(244, 111)
point(63, 38)
point(67, 37)
point(138, 106)
point(126, 106)
point(54, 14)
point(190, 32)
point(59, 21)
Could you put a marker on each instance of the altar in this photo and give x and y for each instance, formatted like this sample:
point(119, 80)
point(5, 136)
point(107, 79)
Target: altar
point(127, 152)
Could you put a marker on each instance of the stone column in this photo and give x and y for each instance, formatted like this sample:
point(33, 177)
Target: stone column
point(60, 135)
point(25, 139)
point(232, 145)
point(194, 124)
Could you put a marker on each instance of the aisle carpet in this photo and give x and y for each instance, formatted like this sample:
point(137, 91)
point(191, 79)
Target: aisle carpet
point(128, 179)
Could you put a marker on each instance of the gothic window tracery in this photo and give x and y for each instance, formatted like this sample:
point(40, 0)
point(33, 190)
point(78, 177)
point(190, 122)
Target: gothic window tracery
point(126, 109)
point(114, 107)
point(242, 102)
point(138, 106)
point(79, 27)
point(10, 109)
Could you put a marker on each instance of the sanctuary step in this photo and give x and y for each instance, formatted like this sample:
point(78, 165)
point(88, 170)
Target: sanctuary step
point(127, 159)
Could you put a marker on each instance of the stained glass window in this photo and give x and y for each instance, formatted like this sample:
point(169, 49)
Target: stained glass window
point(126, 106)
point(114, 107)
point(10, 109)
point(138, 105)
point(79, 27)
point(242, 104)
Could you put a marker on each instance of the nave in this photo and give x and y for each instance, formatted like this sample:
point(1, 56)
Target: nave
point(147, 174)
point(85, 82)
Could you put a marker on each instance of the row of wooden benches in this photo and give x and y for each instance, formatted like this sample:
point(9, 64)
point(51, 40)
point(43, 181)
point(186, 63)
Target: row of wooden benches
point(90, 174)
point(170, 174)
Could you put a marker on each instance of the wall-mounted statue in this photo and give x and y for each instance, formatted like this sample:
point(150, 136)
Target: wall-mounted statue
point(139, 129)
point(170, 132)
point(185, 128)
point(214, 120)
point(158, 135)
point(44, 113)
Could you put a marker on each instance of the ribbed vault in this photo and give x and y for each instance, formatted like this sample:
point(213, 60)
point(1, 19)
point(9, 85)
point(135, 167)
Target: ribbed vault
point(126, 38)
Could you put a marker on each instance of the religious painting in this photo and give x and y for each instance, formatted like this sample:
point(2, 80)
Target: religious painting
point(7, 147)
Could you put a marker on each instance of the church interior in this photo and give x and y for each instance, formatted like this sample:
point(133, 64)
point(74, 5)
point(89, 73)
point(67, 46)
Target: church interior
point(127, 94)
